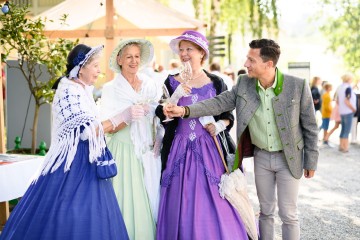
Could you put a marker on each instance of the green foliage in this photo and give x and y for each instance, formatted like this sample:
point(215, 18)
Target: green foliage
point(26, 38)
point(342, 29)
point(250, 15)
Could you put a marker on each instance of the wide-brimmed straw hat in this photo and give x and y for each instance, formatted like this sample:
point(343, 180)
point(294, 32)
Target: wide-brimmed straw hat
point(192, 36)
point(146, 53)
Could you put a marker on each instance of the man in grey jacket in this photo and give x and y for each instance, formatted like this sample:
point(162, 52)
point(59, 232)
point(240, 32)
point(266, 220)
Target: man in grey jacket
point(276, 111)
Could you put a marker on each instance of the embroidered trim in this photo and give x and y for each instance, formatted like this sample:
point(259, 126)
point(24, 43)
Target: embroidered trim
point(191, 146)
point(105, 163)
point(199, 40)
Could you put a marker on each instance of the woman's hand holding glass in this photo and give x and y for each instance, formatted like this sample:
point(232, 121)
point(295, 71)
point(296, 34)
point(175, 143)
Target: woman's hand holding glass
point(128, 115)
point(180, 91)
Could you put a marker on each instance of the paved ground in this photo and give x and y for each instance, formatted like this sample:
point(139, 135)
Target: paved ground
point(329, 203)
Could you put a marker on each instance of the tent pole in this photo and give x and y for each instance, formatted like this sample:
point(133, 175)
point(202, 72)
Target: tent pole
point(109, 35)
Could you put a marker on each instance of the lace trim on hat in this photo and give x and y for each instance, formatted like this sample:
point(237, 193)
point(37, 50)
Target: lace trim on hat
point(197, 39)
point(81, 59)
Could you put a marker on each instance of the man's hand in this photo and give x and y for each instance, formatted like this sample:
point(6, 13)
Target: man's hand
point(171, 110)
point(309, 173)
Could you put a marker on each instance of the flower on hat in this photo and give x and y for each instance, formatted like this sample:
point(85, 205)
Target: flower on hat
point(79, 58)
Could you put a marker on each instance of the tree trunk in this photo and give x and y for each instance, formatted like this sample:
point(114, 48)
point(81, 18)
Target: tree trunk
point(214, 18)
point(34, 128)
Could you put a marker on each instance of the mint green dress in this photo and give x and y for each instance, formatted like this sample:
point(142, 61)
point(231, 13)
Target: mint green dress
point(130, 188)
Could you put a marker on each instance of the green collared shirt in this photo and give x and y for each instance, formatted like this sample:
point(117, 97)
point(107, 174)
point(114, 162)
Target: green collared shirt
point(263, 131)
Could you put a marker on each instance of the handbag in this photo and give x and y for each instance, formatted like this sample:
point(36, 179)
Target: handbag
point(105, 166)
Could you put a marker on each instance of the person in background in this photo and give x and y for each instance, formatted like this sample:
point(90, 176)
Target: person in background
point(241, 71)
point(174, 66)
point(131, 142)
point(190, 203)
point(276, 110)
point(326, 109)
point(347, 108)
point(316, 96)
point(356, 118)
point(335, 116)
point(69, 200)
point(230, 72)
point(215, 69)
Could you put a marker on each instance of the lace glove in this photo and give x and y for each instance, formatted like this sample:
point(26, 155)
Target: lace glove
point(178, 93)
point(130, 114)
point(219, 126)
point(160, 131)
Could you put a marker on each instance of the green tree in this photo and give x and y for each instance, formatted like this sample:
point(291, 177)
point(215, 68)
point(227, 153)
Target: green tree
point(23, 35)
point(238, 16)
point(341, 27)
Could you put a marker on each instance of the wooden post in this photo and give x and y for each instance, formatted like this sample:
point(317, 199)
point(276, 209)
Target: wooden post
point(109, 35)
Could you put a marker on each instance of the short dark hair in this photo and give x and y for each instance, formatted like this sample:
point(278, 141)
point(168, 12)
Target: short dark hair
point(215, 67)
point(269, 49)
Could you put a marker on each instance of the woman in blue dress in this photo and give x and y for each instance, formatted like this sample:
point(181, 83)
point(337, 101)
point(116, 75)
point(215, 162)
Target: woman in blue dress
point(72, 197)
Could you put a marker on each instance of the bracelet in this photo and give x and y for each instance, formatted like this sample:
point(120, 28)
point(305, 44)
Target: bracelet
point(183, 113)
point(187, 112)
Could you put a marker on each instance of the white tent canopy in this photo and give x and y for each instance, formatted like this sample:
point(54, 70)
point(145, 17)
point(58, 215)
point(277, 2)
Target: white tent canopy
point(141, 14)
point(115, 18)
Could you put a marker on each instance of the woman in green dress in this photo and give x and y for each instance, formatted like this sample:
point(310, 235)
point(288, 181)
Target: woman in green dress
point(131, 142)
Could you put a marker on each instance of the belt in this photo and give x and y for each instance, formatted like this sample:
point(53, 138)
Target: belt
point(279, 151)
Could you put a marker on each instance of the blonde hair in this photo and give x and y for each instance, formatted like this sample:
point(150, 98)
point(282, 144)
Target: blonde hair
point(315, 81)
point(347, 77)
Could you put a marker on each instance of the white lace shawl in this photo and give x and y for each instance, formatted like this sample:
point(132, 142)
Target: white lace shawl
point(73, 107)
point(118, 95)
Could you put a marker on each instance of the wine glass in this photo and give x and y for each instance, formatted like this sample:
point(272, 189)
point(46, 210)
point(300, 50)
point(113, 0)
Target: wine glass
point(186, 73)
point(148, 99)
point(166, 98)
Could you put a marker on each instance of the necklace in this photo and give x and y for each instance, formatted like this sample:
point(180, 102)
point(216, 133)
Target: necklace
point(199, 75)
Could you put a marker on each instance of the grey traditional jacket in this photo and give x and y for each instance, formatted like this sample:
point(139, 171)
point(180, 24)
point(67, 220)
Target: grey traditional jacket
point(294, 115)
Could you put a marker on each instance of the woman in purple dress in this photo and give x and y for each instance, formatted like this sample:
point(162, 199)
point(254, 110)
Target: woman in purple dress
point(190, 204)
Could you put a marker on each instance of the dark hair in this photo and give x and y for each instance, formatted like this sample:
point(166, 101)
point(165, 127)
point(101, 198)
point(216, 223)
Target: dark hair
point(269, 49)
point(241, 71)
point(215, 67)
point(76, 55)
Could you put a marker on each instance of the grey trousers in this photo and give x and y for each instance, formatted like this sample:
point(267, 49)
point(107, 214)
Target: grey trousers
point(272, 173)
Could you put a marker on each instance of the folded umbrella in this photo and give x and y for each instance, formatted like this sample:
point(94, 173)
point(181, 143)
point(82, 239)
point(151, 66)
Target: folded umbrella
point(233, 187)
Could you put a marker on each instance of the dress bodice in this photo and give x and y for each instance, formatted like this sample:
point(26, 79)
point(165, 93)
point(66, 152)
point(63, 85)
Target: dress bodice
point(192, 127)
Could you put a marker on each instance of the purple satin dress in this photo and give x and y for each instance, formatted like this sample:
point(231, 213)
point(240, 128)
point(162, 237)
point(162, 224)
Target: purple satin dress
point(190, 204)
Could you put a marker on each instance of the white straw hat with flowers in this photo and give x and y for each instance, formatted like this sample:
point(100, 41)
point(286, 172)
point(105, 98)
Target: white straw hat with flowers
point(146, 50)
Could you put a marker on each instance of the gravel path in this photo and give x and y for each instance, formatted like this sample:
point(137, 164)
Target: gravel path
point(329, 203)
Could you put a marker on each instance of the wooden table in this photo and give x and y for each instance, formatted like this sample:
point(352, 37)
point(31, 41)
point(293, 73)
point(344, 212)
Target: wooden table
point(16, 174)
